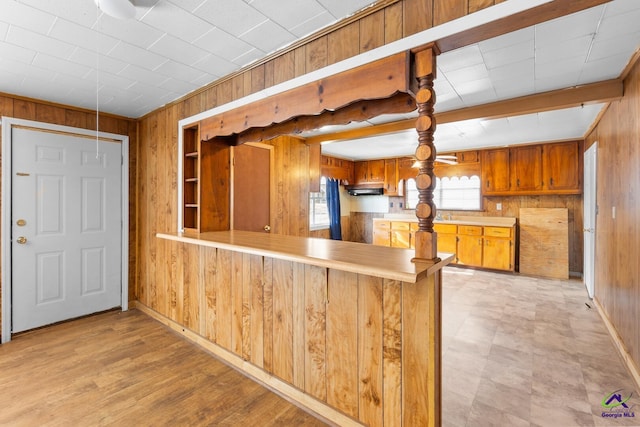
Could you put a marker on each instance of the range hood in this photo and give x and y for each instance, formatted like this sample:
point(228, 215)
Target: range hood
point(365, 190)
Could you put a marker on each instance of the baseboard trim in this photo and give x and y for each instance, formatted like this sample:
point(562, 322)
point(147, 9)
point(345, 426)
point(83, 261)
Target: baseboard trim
point(283, 389)
point(622, 349)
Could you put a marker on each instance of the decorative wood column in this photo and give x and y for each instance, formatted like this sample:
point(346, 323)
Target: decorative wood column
point(425, 72)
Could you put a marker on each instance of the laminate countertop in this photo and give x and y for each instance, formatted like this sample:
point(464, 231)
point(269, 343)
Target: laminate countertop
point(483, 221)
point(378, 261)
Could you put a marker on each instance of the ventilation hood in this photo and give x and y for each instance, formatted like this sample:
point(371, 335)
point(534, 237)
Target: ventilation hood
point(365, 190)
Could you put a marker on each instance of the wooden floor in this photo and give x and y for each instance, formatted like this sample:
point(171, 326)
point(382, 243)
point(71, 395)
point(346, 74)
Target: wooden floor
point(126, 369)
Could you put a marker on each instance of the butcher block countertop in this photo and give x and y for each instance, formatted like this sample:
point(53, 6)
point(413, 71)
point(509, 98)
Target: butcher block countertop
point(483, 221)
point(388, 263)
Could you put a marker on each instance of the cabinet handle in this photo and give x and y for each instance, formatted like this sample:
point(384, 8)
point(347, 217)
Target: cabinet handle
point(487, 183)
point(480, 242)
point(518, 182)
point(551, 182)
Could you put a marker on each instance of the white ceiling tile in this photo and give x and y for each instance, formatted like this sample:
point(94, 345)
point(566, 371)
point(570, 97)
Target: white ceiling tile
point(603, 69)
point(509, 39)
point(34, 41)
point(109, 79)
point(79, 35)
point(289, 13)
point(81, 12)
point(24, 16)
point(58, 65)
point(234, 16)
point(268, 37)
point(342, 8)
point(177, 21)
point(556, 82)
point(619, 7)
point(205, 79)
point(570, 27)
point(179, 71)
point(524, 70)
point(514, 88)
point(460, 58)
point(617, 26)
point(88, 58)
point(4, 27)
point(563, 66)
point(137, 56)
point(509, 55)
point(222, 44)
point(613, 46)
point(188, 5)
point(138, 74)
point(178, 86)
point(468, 74)
point(309, 26)
point(17, 53)
point(178, 50)
point(248, 57)
point(563, 49)
point(131, 31)
point(213, 64)
point(68, 81)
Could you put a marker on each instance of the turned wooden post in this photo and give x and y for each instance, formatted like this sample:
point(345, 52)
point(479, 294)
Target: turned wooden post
point(426, 238)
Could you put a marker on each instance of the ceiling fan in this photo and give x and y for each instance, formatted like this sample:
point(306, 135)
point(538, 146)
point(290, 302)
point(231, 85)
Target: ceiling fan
point(448, 159)
point(122, 9)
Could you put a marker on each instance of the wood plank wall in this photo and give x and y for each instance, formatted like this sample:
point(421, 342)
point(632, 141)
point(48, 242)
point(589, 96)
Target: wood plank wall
point(617, 278)
point(157, 162)
point(46, 112)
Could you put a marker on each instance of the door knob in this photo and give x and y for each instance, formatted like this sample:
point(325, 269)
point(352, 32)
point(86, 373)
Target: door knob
point(267, 228)
point(21, 240)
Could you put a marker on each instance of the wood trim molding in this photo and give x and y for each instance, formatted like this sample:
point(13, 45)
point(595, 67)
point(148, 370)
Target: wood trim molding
point(619, 344)
point(606, 91)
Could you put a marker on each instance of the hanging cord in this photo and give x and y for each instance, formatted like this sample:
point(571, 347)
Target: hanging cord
point(97, 82)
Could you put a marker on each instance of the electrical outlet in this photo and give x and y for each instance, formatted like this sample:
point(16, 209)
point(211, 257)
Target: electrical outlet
point(613, 212)
point(498, 206)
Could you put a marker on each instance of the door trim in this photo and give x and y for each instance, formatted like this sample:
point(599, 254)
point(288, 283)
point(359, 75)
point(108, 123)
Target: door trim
point(7, 124)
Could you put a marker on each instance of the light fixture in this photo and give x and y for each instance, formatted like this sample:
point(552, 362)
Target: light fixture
point(120, 9)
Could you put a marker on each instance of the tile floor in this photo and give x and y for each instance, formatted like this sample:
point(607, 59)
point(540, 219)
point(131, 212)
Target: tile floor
point(522, 351)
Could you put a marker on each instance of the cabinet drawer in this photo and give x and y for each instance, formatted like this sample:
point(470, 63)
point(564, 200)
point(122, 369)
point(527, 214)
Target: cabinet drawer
point(382, 225)
point(399, 225)
point(497, 232)
point(470, 230)
point(445, 228)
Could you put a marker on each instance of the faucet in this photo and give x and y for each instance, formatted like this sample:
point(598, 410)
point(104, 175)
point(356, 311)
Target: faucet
point(438, 216)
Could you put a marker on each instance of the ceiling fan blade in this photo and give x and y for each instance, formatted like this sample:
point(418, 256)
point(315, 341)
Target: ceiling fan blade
point(446, 161)
point(446, 156)
point(120, 9)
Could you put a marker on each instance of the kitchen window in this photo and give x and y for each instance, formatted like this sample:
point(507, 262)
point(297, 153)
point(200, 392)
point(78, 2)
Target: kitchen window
point(318, 208)
point(455, 193)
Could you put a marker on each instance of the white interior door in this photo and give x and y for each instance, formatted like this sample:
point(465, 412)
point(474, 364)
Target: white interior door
point(590, 211)
point(66, 219)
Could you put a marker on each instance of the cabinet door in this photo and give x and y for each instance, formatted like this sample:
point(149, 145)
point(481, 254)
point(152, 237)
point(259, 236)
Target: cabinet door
point(469, 250)
point(497, 253)
point(447, 243)
point(526, 168)
point(376, 170)
point(390, 177)
point(561, 166)
point(381, 237)
point(495, 171)
point(400, 239)
point(361, 172)
point(467, 157)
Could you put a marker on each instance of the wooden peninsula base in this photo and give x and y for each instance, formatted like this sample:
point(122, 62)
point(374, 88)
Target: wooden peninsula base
point(349, 331)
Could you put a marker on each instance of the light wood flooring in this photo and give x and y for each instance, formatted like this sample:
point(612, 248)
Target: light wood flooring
point(517, 351)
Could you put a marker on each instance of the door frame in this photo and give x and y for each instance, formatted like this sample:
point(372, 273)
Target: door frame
point(7, 123)
point(271, 182)
point(589, 277)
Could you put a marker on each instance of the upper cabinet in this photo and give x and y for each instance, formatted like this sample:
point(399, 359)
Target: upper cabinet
point(391, 177)
point(495, 171)
point(532, 169)
point(340, 169)
point(561, 164)
point(369, 172)
point(525, 168)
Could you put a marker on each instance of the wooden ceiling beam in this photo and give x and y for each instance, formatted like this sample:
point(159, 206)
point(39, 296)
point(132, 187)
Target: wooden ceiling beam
point(593, 93)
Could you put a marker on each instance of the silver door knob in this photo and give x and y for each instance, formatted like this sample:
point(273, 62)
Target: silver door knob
point(21, 240)
point(267, 228)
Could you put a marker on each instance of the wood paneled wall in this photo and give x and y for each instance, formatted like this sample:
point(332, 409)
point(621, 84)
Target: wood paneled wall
point(617, 278)
point(46, 112)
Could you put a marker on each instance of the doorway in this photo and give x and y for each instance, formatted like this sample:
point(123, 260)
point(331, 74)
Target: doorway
point(64, 198)
point(251, 189)
point(590, 212)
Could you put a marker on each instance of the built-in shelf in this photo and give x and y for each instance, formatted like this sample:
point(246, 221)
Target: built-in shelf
point(191, 174)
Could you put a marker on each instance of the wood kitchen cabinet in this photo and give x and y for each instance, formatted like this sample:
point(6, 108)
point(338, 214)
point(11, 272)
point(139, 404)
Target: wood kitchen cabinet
point(369, 171)
point(498, 248)
point(400, 234)
point(391, 177)
point(561, 165)
point(495, 171)
point(382, 233)
point(525, 168)
point(469, 250)
point(333, 167)
point(447, 239)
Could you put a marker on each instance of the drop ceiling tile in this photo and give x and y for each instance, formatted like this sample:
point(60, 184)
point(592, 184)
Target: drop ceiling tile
point(506, 40)
point(562, 66)
point(309, 26)
point(603, 69)
point(10, 82)
point(188, 5)
point(234, 16)
point(619, 25)
point(130, 31)
point(34, 41)
point(58, 65)
point(4, 27)
point(523, 70)
point(464, 57)
point(619, 7)
point(613, 46)
point(81, 12)
point(289, 13)
point(88, 58)
point(109, 79)
point(26, 17)
point(67, 81)
point(178, 86)
point(177, 21)
point(248, 57)
point(213, 64)
point(468, 74)
point(178, 50)
point(341, 8)
point(577, 25)
point(179, 71)
point(134, 55)
point(18, 53)
point(448, 102)
point(205, 79)
point(135, 73)
point(514, 88)
point(222, 44)
point(79, 35)
point(556, 82)
point(560, 50)
point(268, 37)
point(509, 55)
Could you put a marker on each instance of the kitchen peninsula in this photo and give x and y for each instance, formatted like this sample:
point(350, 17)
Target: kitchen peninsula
point(348, 330)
